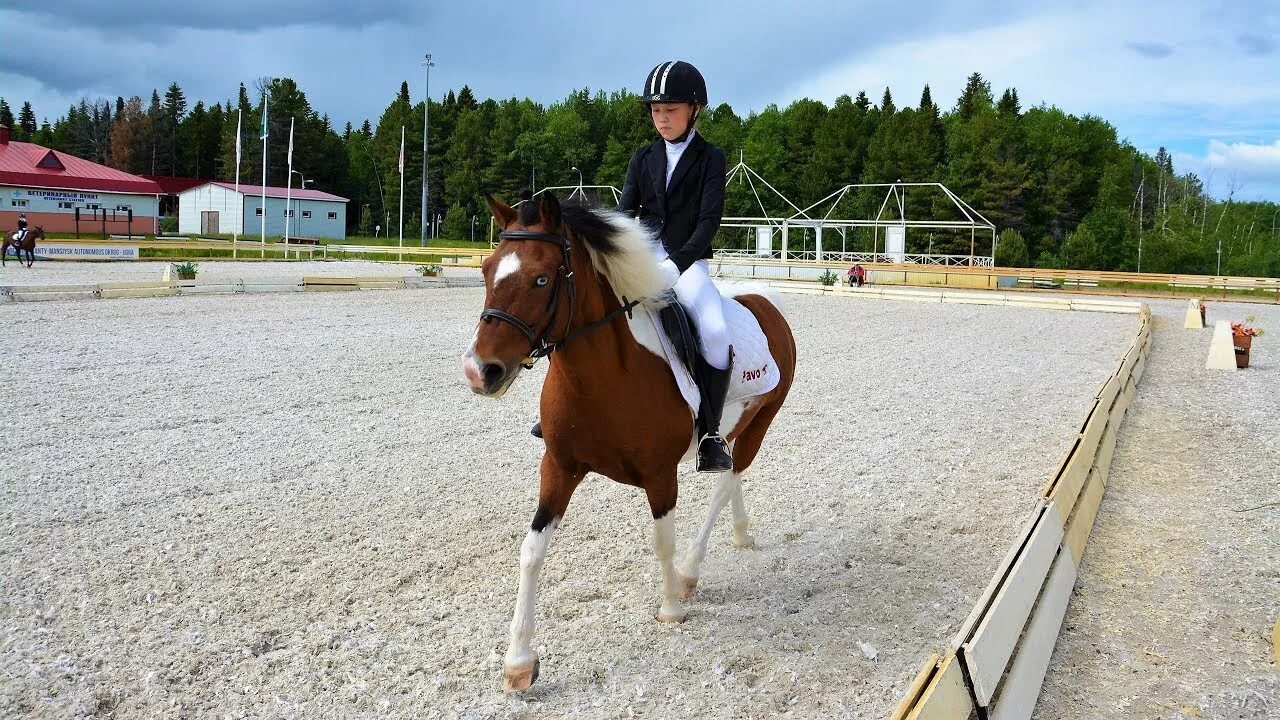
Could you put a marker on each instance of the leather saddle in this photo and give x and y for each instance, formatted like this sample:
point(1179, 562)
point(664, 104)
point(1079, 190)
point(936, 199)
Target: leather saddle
point(683, 335)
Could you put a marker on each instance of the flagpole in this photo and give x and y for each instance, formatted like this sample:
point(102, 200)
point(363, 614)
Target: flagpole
point(288, 192)
point(264, 172)
point(401, 186)
point(239, 227)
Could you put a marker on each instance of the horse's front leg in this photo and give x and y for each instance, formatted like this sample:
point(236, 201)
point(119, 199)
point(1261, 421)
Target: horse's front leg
point(690, 569)
point(520, 666)
point(662, 502)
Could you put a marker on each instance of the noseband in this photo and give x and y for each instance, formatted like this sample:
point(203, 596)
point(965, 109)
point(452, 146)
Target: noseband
point(539, 345)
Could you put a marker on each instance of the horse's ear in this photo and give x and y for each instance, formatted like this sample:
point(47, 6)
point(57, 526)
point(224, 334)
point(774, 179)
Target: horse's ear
point(502, 212)
point(550, 210)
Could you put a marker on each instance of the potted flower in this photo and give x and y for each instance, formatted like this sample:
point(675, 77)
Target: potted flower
point(430, 270)
point(1242, 336)
point(186, 270)
point(828, 277)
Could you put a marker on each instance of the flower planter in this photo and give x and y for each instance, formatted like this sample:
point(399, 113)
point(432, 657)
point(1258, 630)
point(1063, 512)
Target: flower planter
point(1243, 343)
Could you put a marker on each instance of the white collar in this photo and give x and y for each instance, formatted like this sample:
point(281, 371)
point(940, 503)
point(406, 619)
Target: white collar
point(680, 146)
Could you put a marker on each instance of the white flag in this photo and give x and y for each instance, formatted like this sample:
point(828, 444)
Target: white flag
point(290, 143)
point(239, 118)
point(401, 149)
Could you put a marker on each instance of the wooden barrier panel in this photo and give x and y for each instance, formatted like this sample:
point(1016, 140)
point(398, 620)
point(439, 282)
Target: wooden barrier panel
point(944, 695)
point(984, 601)
point(138, 292)
point(1082, 516)
point(1021, 688)
point(987, 654)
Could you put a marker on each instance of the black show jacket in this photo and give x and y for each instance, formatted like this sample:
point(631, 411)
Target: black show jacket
point(686, 213)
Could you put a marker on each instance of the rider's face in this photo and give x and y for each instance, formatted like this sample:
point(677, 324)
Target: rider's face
point(671, 119)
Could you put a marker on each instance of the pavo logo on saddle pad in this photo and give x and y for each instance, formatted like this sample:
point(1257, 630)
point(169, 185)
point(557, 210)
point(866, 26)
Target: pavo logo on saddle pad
point(749, 375)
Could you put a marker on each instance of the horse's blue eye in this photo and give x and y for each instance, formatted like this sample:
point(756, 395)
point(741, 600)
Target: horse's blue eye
point(542, 280)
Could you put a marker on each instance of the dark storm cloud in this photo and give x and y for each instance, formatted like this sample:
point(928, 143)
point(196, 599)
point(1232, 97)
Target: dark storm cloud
point(133, 17)
point(1150, 49)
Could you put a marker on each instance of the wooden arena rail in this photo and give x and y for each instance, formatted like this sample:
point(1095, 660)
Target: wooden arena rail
point(161, 288)
point(1000, 656)
point(995, 665)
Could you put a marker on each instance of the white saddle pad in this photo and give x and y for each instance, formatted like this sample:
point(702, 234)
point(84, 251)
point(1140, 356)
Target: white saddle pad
point(754, 371)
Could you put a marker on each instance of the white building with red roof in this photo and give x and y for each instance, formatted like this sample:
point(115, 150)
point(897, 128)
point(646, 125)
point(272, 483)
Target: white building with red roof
point(217, 207)
point(57, 190)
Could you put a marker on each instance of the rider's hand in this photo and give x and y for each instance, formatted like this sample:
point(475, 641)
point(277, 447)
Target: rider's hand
point(670, 272)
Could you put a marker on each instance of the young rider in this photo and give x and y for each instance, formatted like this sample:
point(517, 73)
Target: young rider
point(676, 185)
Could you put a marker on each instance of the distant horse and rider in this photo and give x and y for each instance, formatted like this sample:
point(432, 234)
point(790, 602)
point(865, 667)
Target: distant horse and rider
point(22, 240)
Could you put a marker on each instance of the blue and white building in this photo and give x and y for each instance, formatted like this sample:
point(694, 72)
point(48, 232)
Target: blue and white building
point(217, 207)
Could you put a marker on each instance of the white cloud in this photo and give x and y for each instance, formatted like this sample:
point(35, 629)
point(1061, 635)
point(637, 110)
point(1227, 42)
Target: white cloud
point(1082, 59)
point(1245, 156)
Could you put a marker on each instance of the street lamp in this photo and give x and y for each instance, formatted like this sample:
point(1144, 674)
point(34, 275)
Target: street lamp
point(301, 186)
point(426, 113)
point(575, 167)
point(473, 228)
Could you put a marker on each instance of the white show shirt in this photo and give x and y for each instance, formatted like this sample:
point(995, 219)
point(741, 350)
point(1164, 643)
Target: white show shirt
point(674, 151)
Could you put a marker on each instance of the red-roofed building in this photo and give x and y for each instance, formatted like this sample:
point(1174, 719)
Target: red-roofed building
point(53, 188)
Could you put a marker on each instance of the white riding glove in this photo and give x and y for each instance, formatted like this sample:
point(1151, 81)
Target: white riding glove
point(670, 272)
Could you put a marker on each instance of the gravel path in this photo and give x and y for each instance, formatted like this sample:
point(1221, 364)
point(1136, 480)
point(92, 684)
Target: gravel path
point(1178, 592)
point(78, 273)
point(290, 506)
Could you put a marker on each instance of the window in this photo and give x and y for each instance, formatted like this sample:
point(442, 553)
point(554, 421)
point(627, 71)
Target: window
point(257, 211)
point(306, 214)
point(333, 216)
point(18, 203)
point(66, 205)
point(92, 206)
point(288, 213)
point(122, 208)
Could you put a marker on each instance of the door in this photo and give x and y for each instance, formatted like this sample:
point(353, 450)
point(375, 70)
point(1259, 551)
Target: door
point(209, 222)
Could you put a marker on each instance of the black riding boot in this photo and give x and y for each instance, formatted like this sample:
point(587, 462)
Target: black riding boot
point(713, 451)
point(537, 429)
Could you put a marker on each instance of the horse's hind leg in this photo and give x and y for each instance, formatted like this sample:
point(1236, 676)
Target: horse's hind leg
point(744, 453)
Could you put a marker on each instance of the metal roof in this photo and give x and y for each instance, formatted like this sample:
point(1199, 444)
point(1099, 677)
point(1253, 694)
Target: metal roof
point(31, 165)
point(279, 192)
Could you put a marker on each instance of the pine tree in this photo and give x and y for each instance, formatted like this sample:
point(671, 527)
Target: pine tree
point(6, 115)
point(976, 97)
point(175, 110)
point(27, 121)
point(404, 91)
point(887, 108)
point(1009, 104)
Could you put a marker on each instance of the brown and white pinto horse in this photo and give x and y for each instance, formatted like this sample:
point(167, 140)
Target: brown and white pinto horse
point(609, 404)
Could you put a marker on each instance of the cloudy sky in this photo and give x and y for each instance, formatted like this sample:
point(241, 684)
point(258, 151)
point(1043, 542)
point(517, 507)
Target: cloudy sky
point(1201, 78)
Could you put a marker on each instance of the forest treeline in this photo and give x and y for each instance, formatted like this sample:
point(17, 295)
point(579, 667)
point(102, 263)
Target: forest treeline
point(1064, 191)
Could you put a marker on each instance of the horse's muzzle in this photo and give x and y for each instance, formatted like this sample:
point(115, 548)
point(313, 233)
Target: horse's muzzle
point(486, 377)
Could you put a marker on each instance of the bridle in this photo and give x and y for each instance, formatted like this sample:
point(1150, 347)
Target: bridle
point(539, 345)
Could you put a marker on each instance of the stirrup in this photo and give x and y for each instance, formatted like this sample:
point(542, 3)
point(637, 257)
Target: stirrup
point(714, 458)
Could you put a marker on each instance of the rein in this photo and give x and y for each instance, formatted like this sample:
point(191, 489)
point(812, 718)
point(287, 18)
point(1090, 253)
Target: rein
point(539, 345)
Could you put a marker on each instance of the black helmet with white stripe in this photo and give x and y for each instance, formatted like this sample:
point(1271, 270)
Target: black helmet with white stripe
point(674, 81)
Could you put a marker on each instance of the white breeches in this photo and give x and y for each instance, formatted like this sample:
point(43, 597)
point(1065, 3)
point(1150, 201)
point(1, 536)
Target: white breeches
point(699, 296)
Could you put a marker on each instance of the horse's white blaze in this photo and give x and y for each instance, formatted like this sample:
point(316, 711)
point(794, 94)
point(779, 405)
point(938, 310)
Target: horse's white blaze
point(532, 554)
point(691, 568)
point(664, 546)
point(508, 265)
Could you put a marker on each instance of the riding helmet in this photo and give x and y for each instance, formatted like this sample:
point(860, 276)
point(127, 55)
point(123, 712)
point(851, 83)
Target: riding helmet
point(674, 81)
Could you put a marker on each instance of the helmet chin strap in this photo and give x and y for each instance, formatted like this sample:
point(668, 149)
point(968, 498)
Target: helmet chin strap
point(685, 135)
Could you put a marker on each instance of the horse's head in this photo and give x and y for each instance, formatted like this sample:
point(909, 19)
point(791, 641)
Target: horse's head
point(528, 294)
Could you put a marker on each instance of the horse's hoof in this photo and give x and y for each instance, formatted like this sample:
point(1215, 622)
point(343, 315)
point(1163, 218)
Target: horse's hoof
point(519, 678)
point(688, 585)
point(669, 615)
point(746, 542)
